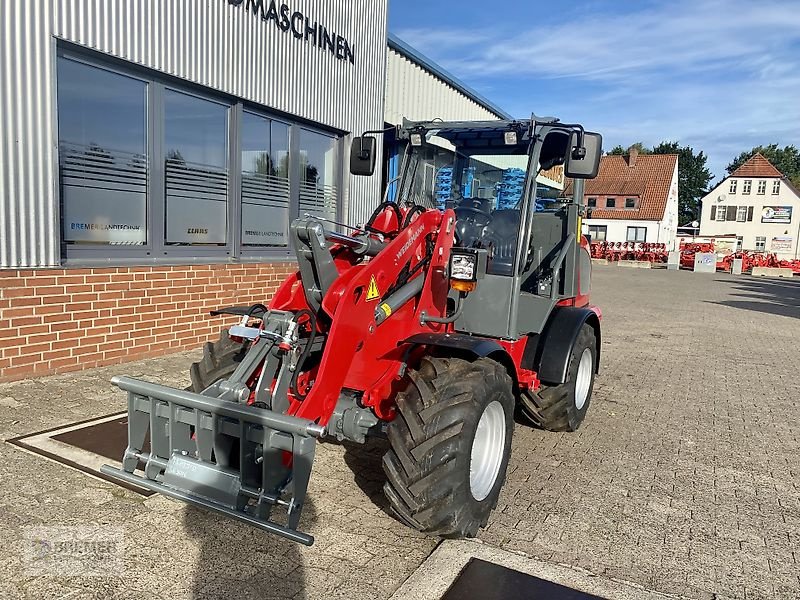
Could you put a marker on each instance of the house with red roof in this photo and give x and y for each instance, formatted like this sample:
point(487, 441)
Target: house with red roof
point(634, 198)
point(757, 204)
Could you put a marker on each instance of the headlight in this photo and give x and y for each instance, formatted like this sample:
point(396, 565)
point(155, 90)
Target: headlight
point(464, 269)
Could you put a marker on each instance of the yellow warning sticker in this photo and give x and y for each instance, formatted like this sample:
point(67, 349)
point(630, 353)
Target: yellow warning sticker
point(387, 310)
point(372, 291)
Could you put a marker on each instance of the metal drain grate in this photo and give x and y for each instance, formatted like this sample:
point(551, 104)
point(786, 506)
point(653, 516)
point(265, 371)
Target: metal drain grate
point(488, 581)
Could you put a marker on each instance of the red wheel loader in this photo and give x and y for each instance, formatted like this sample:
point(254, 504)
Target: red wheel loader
point(454, 307)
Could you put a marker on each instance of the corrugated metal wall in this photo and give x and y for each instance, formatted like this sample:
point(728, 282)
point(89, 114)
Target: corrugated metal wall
point(415, 93)
point(208, 42)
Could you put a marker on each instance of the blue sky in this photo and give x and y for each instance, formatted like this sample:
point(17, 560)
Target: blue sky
point(720, 75)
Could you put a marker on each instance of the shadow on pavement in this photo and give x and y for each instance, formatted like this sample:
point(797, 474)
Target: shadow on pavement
point(365, 461)
point(239, 561)
point(772, 296)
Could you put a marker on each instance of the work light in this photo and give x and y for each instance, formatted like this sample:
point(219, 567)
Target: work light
point(463, 269)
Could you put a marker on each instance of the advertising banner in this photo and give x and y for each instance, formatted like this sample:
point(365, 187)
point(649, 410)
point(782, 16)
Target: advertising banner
point(776, 214)
point(782, 243)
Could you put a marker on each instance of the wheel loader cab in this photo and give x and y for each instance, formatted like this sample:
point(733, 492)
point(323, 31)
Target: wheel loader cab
point(486, 172)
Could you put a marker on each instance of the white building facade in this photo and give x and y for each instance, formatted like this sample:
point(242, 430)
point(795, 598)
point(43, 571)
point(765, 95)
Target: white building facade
point(634, 199)
point(757, 204)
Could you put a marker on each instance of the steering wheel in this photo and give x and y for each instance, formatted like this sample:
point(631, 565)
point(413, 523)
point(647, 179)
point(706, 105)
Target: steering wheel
point(471, 222)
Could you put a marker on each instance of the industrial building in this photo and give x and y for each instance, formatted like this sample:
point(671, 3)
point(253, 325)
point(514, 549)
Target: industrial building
point(152, 155)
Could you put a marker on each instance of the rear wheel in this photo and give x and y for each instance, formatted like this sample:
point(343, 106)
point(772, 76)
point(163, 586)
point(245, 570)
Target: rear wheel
point(563, 407)
point(450, 446)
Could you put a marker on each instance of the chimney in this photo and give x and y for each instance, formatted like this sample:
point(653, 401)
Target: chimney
point(633, 154)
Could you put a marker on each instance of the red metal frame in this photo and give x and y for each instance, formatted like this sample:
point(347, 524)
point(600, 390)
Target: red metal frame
point(371, 360)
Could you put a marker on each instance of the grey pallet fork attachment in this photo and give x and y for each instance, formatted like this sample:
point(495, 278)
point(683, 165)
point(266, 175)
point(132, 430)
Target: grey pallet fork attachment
point(185, 468)
point(217, 452)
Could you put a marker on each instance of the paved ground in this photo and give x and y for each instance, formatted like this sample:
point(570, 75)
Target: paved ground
point(683, 480)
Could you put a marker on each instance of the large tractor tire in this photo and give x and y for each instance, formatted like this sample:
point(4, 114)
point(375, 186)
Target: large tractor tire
point(450, 446)
point(219, 361)
point(563, 407)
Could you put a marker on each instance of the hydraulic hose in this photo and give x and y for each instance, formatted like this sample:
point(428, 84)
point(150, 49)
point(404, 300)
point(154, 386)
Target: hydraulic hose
point(306, 351)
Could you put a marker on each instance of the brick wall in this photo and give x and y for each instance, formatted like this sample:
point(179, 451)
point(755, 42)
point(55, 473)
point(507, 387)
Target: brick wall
point(52, 321)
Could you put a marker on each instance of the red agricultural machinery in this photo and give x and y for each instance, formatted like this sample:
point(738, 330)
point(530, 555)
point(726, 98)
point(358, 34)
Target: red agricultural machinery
point(639, 251)
point(725, 262)
point(429, 326)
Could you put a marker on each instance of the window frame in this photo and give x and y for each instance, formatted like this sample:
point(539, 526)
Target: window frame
point(721, 212)
point(591, 202)
point(613, 202)
point(776, 187)
point(763, 240)
point(762, 187)
point(732, 186)
point(155, 251)
point(636, 229)
point(747, 187)
point(597, 229)
point(632, 202)
point(741, 214)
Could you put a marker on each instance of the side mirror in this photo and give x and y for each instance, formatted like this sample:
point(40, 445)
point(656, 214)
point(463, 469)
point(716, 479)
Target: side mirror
point(362, 155)
point(584, 163)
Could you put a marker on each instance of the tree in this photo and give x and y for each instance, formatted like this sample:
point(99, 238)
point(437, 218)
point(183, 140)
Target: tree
point(619, 150)
point(693, 178)
point(786, 160)
point(693, 175)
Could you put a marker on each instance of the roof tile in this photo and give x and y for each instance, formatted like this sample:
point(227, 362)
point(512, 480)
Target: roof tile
point(757, 166)
point(649, 178)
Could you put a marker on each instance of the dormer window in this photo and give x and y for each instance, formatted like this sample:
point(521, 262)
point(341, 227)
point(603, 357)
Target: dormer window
point(630, 202)
point(611, 203)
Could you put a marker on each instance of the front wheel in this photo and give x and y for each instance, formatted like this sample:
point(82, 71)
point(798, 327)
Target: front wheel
point(450, 446)
point(563, 407)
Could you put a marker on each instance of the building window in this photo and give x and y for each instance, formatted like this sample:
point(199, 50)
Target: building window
point(265, 181)
point(630, 202)
point(732, 187)
point(591, 202)
point(598, 232)
point(637, 234)
point(103, 163)
point(155, 170)
point(318, 181)
point(195, 170)
point(761, 244)
point(748, 183)
point(741, 214)
point(720, 213)
point(610, 203)
point(776, 187)
point(762, 186)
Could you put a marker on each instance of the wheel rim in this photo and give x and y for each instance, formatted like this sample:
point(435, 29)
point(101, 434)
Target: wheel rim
point(488, 448)
point(583, 379)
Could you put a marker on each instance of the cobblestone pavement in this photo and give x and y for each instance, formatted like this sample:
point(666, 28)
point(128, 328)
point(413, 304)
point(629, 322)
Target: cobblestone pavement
point(682, 480)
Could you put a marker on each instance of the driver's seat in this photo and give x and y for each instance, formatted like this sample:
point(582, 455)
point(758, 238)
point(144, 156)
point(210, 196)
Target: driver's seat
point(500, 237)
